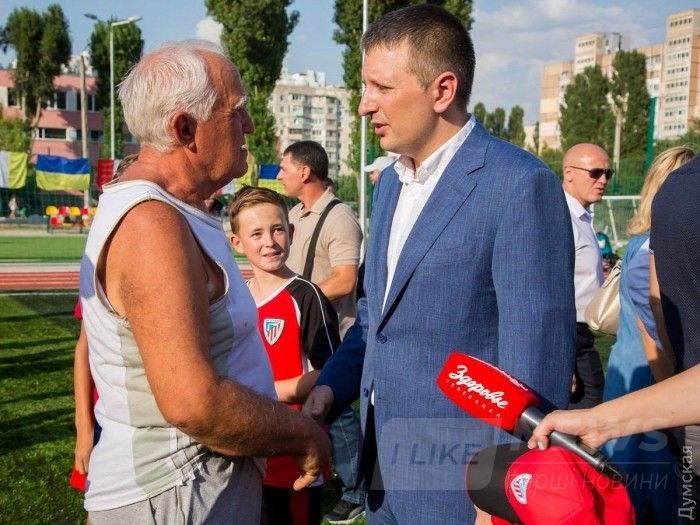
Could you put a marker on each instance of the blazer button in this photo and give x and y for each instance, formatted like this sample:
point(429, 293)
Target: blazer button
point(365, 392)
point(381, 338)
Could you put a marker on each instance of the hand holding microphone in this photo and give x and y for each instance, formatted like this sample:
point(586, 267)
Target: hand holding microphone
point(491, 395)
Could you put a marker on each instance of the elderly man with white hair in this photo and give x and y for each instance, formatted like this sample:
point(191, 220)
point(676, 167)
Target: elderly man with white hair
point(186, 393)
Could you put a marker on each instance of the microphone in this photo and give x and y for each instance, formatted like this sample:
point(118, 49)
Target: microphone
point(488, 393)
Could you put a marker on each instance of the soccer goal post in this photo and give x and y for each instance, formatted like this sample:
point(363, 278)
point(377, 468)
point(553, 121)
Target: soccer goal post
point(612, 214)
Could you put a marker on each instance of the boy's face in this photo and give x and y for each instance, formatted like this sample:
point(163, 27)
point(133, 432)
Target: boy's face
point(263, 236)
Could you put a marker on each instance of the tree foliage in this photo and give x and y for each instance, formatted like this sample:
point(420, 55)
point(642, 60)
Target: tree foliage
point(495, 122)
point(479, 112)
point(15, 134)
point(42, 44)
point(629, 94)
point(516, 127)
point(585, 114)
point(255, 37)
point(348, 19)
point(128, 47)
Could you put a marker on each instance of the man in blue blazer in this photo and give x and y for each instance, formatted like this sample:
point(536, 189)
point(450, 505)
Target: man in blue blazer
point(470, 249)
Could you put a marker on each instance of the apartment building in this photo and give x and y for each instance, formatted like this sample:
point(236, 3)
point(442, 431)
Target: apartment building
point(672, 76)
point(59, 131)
point(305, 108)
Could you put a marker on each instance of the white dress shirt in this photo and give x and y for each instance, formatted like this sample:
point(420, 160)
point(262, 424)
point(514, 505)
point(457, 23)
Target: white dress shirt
point(417, 186)
point(588, 270)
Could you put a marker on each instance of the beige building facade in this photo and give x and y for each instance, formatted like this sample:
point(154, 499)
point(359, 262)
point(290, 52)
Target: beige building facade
point(672, 70)
point(305, 108)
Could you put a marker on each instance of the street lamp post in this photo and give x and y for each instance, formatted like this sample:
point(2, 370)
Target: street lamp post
point(112, 25)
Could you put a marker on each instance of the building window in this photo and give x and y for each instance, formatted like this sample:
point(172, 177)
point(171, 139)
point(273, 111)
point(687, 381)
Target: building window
point(12, 98)
point(50, 133)
point(59, 100)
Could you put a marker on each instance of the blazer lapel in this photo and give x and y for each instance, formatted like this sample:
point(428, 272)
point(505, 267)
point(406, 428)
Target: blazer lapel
point(448, 196)
point(388, 190)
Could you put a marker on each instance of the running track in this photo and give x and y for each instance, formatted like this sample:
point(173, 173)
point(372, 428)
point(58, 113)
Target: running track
point(52, 280)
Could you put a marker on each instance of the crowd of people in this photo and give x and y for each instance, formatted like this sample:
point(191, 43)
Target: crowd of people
point(203, 398)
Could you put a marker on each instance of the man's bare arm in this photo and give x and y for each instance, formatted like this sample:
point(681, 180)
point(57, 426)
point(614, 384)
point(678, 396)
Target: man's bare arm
point(160, 287)
point(341, 283)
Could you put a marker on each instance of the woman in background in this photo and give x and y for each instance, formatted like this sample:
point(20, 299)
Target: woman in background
point(638, 359)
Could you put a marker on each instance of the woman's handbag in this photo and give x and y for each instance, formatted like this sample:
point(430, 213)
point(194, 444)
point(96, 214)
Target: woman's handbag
point(603, 312)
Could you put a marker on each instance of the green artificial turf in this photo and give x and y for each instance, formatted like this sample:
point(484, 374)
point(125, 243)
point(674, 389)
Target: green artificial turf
point(37, 337)
point(38, 248)
point(50, 248)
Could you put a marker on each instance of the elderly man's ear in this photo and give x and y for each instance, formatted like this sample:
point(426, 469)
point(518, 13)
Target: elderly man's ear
point(184, 128)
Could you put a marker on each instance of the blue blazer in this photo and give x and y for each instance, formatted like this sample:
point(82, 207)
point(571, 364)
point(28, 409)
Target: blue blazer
point(487, 270)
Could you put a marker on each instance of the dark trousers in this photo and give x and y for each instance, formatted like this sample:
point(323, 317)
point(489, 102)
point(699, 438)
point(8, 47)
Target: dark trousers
point(282, 506)
point(589, 371)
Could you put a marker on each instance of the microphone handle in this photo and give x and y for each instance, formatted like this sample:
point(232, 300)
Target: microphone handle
point(532, 417)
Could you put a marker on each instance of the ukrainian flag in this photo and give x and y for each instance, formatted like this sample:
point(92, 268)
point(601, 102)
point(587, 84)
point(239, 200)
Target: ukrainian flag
point(60, 173)
point(267, 178)
point(13, 169)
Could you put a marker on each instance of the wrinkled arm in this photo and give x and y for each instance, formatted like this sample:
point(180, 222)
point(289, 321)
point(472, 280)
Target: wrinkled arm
point(84, 417)
point(171, 333)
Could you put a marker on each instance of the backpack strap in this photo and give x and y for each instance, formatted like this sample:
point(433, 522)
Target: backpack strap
point(311, 253)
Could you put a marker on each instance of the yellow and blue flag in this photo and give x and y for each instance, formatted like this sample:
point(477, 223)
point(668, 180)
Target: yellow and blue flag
point(60, 173)
point(13, 169)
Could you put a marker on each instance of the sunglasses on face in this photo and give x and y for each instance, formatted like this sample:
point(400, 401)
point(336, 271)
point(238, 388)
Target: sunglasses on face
point(596, 173)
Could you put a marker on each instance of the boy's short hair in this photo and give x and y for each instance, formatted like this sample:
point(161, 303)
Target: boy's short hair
point(249, 196)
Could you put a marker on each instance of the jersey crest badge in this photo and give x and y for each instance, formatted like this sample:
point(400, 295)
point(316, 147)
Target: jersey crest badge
point(519, 487)
point(273, 330)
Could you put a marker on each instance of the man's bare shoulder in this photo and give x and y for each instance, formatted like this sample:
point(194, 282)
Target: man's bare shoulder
point(151, 232)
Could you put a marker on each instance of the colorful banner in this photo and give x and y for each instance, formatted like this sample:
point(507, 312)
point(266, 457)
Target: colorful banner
point(13, 169)
point(60, 173)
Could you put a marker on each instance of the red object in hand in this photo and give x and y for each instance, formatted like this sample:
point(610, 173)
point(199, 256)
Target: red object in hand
point(78, 480)
point(484, 391)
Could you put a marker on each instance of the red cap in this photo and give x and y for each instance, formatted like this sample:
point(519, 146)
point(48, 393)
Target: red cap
point(545, 486)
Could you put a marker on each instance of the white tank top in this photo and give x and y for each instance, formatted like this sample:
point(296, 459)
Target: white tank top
point(140, 455)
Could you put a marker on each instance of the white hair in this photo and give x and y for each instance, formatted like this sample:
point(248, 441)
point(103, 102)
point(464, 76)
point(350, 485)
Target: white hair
point(173, 78)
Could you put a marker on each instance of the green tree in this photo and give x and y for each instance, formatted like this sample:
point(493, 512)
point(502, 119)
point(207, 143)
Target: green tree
point(348, 18)
point(128, 47)
point(516, 128)
point(536, 137)
point(496, 123)
point(42, 44)
point(552, 158)
point(480, 112)
point(15, 134)
point(586, 115)
point(629, 94)
point(255, 37)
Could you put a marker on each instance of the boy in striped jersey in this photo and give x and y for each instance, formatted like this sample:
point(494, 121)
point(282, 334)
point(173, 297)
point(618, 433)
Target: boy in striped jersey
point(299, 328)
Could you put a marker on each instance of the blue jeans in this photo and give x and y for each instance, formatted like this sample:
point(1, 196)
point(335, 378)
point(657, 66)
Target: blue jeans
point(345, 433)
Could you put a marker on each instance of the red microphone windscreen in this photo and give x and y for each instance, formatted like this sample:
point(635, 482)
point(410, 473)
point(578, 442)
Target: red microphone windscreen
point(484, 391)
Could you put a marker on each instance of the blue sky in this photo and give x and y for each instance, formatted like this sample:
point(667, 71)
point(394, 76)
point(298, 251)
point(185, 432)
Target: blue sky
point(513, 38)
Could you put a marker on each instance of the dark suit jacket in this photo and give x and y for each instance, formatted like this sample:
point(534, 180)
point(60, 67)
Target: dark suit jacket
point(486, 270)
